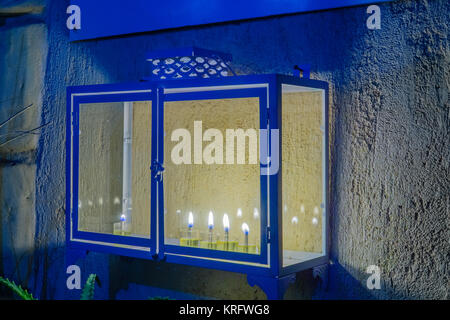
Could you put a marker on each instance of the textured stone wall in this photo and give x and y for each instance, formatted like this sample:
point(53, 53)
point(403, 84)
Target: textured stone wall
point(389, 147)
point(22, 73)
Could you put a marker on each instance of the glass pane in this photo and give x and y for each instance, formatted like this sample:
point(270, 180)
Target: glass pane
point(114, 162)
point(302, 173)
point(221, 184)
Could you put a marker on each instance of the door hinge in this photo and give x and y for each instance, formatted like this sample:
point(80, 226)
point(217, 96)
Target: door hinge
point(268, 234)
point(157, 170)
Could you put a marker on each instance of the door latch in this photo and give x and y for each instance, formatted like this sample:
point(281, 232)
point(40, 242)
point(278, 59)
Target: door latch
point(156, 169)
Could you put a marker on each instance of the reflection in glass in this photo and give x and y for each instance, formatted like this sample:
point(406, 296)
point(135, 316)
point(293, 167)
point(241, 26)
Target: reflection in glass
point(220, 196)
point(114, 157)
point(302, 173)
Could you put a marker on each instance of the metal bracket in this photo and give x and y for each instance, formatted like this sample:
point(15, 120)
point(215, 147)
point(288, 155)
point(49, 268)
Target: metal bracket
point(321, 272)
point(302, 71)
point(274, 288)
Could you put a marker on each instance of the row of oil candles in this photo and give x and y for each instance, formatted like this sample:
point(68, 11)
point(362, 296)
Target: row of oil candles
point(294, 219)
point(226, 227)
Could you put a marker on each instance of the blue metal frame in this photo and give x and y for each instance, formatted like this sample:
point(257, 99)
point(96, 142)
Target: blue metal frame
point(267, 267)
point(97, 94)
point(213, 82)
point(277, 183)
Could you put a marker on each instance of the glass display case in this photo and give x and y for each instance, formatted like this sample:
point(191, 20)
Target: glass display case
point(199, 166)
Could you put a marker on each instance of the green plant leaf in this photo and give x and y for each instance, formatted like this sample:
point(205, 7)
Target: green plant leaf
point(158, 298)
point(22, 293)
point(89, 287)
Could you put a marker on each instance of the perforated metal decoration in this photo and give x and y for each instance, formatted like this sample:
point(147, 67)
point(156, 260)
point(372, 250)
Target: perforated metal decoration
point(189, 63)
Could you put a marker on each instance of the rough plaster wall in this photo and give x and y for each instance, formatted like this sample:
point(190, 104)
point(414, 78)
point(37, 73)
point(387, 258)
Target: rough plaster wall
point(21, 85)
point(302, 151)
point(203, 187)
point(390, 150)
point(65, 65)
point(391, 157)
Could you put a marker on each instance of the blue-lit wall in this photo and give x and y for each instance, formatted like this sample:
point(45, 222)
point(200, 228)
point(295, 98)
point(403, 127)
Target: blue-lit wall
point(389, 149)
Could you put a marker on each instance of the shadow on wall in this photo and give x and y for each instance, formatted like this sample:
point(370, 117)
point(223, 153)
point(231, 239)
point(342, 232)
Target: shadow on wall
point(344, 283)
point(51, 282)
point(122, 59)
point(340, 50)
point(153, 278)
point(145, 279)
point(286, 49)
point(16, 221)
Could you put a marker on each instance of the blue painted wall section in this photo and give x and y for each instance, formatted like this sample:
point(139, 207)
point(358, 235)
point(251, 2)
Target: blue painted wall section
point(388, 136)
point(102, 18)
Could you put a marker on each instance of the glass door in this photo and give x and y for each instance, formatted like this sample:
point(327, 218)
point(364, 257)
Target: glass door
point(304, 172)
point(214, 196)
point(111, 182)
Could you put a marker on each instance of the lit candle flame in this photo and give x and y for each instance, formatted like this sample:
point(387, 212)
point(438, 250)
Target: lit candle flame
point(294, 220)
point(245, 228)
point(239, 212)
point(123, 217)
point(302, 208)
point(190, 220)
point(226, 223)
point(210, 220)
